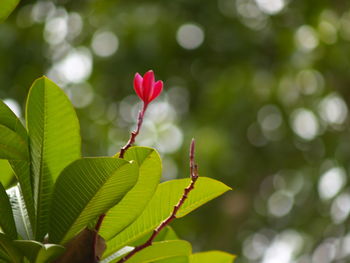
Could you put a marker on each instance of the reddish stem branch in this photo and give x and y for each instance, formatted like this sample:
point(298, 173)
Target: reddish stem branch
point(130, 142)
point(134, 133)
point(172, 216)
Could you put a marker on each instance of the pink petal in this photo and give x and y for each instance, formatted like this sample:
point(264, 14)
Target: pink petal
point(157, 89)
point(148, 83)
point(138, 85)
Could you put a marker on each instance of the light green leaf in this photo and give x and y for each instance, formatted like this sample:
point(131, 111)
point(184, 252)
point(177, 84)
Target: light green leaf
point(212, 256)
point(174, 260)
point(37, 252)
point(166, 234)
point(6, 8)
point(134, 202)
point(11, 252)
point(7, 222)
point(7, 176)
point(20, 213)
point(55, 142)
point(161, 206)
point(85, 189)
point(162, 250)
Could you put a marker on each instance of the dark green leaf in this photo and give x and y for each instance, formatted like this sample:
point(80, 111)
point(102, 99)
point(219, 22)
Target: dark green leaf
point(7, 222)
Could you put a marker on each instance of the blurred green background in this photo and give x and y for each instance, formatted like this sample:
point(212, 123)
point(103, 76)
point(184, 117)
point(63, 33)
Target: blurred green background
point(263, 86)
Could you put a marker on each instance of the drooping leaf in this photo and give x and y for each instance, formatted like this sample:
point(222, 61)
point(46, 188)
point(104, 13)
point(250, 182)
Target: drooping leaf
point(55, 142)
point(162, 250)
point(37, 252)
point(212, 256)
point(10, 120)
point(20, 212)
point(133, 203)
point(12, 145)
point(161, 205)
point(7, 222)
point(11, 251)
point(6, 8)
point(20, 166)
point(85, 189)
point(7, 176)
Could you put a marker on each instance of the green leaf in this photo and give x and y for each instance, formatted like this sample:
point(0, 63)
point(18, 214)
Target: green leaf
point(85, 189)
point(174, 260)
point(7, 222)
point(161, 206)
point(20, 213)
point(7, 176)
point(166, 234)
point(20, 166)
point(162, 250)
point(12, 145)
point(212, 256)
point(37, 252)
point(6, 8)
point(11, 252)
point(10, 120)
point(134, 202)
point(53, 129)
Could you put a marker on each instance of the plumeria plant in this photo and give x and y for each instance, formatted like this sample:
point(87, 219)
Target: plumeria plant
point(63, 207)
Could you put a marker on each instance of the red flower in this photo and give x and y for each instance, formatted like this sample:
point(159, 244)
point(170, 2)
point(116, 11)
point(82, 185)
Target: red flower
point(146, 88)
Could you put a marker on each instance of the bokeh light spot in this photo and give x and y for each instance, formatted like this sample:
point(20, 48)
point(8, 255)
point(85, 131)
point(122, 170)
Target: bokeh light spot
point(190, 36)
point(270, 6)
point(305, 124)
point(331, 182)
point(104, 43)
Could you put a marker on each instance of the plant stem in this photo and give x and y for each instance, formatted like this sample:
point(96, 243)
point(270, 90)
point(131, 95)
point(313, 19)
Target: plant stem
point(134, 133)
point(121, 155)
point(172, 216)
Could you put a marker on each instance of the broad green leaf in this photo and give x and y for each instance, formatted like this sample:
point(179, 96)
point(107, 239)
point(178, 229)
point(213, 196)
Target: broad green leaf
point(212, 256)
point(85, 189)
point(6, 8)
point(53, 129)
point(37, 252)
point(20, 213)
point(11, 251)
point(7, 222)
point(134, 202)
point(7, 176)
point(162, 250)
point(161, 206)
point(174, 260)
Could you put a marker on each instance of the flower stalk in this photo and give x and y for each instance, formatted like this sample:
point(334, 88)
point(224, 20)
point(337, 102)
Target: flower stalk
point(147, 90)
point(172, 216)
